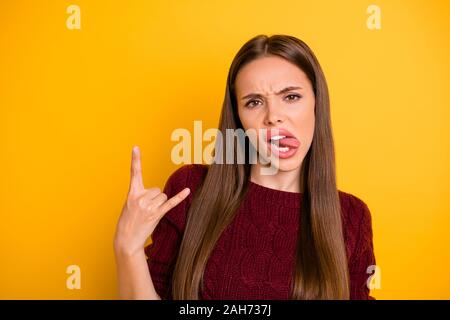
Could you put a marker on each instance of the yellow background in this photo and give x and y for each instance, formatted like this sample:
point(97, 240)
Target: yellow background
point(74, 102)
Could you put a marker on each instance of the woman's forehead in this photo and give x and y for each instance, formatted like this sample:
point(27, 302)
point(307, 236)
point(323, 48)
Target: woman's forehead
point(269, 75)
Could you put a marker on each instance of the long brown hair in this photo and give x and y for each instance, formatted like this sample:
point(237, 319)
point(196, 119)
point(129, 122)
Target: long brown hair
point(321, 270)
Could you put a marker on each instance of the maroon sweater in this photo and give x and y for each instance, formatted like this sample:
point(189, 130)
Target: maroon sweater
point(254, 257)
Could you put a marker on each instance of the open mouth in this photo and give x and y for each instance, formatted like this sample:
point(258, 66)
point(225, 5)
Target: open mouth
point(282, 142)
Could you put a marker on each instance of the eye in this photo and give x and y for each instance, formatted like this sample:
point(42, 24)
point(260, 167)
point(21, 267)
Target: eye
point(250, 104)
point(293, 97)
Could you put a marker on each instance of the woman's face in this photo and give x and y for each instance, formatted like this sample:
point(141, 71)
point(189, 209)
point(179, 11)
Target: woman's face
point(273, 93)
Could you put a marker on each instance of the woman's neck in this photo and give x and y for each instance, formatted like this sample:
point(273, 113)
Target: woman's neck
point(282, 180)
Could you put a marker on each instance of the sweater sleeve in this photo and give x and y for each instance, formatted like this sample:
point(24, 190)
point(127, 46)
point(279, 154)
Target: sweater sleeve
point(363, 255)
point(166, 238)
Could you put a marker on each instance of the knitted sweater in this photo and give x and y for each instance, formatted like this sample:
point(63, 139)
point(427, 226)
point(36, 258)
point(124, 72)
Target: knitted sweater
point(254, 257)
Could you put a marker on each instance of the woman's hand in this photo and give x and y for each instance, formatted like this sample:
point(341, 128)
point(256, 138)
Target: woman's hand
point(142, 211)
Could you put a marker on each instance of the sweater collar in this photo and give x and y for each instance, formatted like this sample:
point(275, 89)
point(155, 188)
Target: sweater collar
point(273, 196)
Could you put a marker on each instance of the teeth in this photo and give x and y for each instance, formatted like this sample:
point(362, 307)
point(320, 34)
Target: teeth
point(275, 141)
point(281, 149)
point(276, 138)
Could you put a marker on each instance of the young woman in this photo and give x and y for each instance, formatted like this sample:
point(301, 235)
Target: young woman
point(227, 231)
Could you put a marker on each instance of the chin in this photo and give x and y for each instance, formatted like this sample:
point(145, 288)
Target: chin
point(286, 167)
point(291, 164)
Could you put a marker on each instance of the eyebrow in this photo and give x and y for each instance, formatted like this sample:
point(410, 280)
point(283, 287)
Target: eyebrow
point(256, 95)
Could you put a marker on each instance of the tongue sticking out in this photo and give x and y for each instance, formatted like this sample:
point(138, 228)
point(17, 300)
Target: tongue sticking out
point(289, 142)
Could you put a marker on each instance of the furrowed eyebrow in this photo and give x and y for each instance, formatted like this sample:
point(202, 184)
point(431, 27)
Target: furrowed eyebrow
point(258, 95)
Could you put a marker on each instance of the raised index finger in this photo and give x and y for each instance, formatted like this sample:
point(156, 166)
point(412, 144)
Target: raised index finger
point(136, 183)
point(175, 200)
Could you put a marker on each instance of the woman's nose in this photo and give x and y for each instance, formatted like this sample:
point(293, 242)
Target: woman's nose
point(273, 116)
